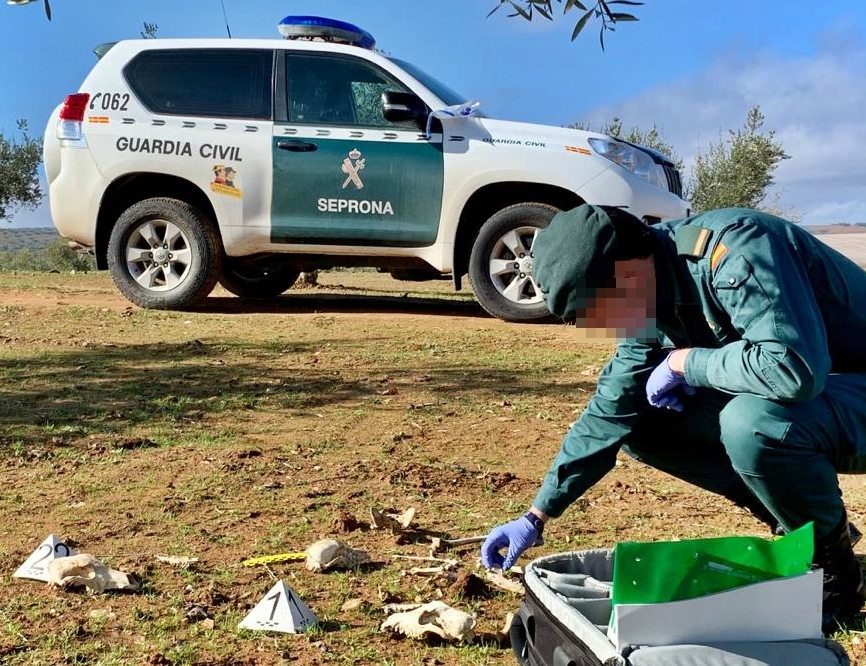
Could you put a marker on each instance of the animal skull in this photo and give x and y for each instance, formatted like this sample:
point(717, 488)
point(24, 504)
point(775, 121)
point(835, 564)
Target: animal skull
point(86, 570)
point(332, 554)
point(435, 617)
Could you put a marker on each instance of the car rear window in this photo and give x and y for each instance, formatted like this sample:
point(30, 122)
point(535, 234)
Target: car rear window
point(223, 83)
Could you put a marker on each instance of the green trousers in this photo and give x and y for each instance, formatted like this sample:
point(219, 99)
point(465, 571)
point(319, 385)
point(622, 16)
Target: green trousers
point(787, 456)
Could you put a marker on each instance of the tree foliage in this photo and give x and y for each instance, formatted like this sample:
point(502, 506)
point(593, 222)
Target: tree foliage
point(149, 30)
point(600, 10)
point(737, 171)
point(19, 182)
point(56, 257)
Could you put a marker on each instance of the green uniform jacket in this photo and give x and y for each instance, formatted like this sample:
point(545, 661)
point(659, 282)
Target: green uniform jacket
point(767, 309)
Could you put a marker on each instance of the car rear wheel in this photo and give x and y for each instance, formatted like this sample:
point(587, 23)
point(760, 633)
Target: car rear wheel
point(164, 254)
point(500, 265)
point(257, 279)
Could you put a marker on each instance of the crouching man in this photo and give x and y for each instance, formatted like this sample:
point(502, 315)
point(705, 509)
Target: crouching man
point(740, 368)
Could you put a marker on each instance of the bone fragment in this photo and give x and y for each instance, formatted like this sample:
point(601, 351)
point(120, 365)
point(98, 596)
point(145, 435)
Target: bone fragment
point(181, 561)
point(438, 543)
point(328, 554)
point(496, 578)
point(437, 618)
point(389, 521)
point(87, 570)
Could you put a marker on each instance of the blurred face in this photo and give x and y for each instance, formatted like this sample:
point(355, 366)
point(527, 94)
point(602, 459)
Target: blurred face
point(627, 310)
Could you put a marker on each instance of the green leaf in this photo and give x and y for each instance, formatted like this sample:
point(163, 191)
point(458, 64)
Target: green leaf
point(616, 17)
point(624, 2)
point(542, 7)
point(520, 10)
point(571, 4)
point(581, 24)
point(47, 10)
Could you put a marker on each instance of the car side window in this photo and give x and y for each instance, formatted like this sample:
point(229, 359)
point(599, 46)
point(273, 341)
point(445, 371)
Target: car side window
point(222, 83)
point(331, 90)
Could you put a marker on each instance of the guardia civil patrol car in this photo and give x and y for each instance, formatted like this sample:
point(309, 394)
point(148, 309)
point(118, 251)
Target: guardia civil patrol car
point(183, 163)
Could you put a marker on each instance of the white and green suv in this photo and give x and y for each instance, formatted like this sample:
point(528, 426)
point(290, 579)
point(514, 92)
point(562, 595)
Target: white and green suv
point(181, 163)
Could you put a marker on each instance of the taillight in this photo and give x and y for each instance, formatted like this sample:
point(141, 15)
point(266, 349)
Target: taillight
point(74, 106)
point(71, 115)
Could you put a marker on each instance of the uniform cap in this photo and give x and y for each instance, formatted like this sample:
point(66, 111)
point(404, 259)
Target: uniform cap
point(575, 255)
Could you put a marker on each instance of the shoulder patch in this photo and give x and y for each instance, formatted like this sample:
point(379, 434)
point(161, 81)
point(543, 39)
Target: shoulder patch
point(692, 241)
point(718, 254)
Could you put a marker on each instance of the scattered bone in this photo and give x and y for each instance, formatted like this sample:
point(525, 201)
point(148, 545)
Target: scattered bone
point(390, 521)
point(438, 543)
point(504, 635)
point(436, 618)
point(87, 570)
point(328, 554)
point(181, 561)
point(496, 578)
point(428, 571)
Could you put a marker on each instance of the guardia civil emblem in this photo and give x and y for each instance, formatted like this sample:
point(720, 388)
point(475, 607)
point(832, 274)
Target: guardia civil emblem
point(351, 166)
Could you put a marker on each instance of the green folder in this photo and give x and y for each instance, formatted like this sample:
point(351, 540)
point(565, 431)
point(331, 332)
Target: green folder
point(660, 571)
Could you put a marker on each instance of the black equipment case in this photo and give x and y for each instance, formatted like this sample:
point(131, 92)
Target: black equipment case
point(565, 613)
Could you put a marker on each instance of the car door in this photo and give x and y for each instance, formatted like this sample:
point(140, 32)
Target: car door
point(342, 174)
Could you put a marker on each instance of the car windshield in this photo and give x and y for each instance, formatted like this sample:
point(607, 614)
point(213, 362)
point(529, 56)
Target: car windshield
point(435, 86)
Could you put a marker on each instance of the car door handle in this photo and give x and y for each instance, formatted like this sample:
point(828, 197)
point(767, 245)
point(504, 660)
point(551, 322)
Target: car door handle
point(297, 146)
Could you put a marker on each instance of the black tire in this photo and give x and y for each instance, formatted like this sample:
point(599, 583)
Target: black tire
point(257, 279)
point(500, 265)
point(164, 254)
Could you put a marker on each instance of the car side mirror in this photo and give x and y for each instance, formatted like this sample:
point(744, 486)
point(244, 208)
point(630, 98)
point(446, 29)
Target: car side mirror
point(401, 106)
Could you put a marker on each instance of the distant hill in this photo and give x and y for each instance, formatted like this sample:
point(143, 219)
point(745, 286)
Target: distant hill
point(820, 229)
point(35, 238)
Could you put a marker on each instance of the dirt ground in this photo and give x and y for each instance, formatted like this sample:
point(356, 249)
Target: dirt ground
point(245, 429)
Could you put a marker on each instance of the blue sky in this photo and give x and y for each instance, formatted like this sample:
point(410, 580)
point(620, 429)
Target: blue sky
point(693, 68)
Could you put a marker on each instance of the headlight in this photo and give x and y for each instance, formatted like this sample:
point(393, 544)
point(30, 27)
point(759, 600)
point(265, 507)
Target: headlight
point(631, 159)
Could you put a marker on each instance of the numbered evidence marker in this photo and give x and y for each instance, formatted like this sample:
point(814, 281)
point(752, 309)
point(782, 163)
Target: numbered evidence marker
point(36, 566)
point(280, 610)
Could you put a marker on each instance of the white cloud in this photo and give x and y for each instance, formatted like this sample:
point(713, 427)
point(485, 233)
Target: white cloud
point(814, 104)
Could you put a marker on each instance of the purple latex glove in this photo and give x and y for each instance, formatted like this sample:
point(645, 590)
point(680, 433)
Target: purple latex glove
point(518, 535)
point(665, 387)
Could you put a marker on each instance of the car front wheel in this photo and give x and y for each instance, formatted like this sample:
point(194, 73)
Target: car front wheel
point(500, 264)
point(164, 254)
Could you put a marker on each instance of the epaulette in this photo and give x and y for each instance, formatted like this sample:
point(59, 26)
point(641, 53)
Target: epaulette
point(692, 241)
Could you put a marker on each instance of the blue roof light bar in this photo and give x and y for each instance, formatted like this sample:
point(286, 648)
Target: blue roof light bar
point(329, 30)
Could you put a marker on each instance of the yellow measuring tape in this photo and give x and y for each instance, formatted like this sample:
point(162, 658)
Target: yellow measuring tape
point(279, 557)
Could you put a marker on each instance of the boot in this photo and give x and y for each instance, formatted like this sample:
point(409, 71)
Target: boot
point(844, 586)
